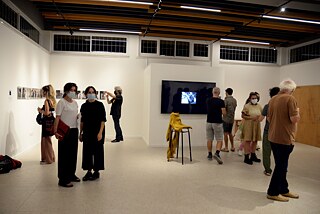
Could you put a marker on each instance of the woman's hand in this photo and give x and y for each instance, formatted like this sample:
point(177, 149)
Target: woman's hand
point(99, 137)
point(80, 137)
point(58, 136)
point(39, 110)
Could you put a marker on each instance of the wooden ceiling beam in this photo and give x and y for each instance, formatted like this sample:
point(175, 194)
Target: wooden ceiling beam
point(137, 21)
point(97, 3)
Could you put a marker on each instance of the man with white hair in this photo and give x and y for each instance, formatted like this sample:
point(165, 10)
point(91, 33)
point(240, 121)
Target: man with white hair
point(214, 128)
point(115, 111)
point(283, 115)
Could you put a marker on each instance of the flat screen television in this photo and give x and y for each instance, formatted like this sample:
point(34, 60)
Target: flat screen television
point(185, 97)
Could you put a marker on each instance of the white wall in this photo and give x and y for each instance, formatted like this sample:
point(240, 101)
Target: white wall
point(104, 73)
point(303, 73)
point(22, 63)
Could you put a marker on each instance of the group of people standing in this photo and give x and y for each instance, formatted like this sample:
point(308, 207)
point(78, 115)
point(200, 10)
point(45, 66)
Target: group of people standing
point(282, 116)
point(91, 122)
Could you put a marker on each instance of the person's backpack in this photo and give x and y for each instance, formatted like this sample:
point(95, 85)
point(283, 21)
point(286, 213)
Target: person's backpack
point(7, 164)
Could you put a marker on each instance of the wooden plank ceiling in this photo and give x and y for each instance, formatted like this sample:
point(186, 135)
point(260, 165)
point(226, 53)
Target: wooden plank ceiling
point(237, 20)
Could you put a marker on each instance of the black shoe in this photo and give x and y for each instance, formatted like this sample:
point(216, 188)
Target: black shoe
point(254, 158)
point(115, 141)
point(75, 179)
point(88, 176)
point(209, 156)
point(62, 184)
point(95, 175)
point(218, 158)
point(247, 160)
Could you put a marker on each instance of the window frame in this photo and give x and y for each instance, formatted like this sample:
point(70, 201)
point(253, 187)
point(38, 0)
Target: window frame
point(191, 49)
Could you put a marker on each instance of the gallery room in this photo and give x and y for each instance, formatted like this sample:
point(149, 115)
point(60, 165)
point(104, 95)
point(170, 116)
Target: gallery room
point(145, 47)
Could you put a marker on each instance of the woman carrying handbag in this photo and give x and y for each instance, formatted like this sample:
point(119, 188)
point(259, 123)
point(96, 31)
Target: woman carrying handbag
point(47, 152)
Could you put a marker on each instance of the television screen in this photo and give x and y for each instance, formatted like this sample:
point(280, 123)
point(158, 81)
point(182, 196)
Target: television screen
point(185, 97)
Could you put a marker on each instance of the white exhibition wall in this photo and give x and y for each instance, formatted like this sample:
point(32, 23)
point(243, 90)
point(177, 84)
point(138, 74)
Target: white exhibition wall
point(22, 63)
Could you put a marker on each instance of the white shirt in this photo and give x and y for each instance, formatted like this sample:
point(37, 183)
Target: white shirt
point(68, 112)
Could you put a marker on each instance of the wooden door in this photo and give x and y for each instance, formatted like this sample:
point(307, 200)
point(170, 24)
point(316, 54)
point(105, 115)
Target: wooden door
point(308, 98)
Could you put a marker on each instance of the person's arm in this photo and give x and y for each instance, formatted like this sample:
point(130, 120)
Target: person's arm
point(46, 108)
point(99, 137)
point(224, 112)
point(81, 131)
point(296, 118)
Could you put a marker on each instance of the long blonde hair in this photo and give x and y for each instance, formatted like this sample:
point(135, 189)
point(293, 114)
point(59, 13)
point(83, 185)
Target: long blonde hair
point(51, 94)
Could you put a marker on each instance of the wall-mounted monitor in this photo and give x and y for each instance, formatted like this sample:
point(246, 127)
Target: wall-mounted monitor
point(185, 97)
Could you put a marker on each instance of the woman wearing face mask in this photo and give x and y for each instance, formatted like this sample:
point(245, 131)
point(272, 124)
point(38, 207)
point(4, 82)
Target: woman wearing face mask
point(67, 111)
point(47, 153)
point(251, 132)
point(116, 102)
point(92, 132)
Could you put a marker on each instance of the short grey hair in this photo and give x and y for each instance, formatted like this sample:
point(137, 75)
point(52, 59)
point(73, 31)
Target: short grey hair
point(118, 88)
point(287, 85)
point(216, 90)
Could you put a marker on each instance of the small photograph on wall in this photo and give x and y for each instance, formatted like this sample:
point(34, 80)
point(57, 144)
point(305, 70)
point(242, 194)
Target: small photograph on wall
point(83, 96)
point(59, 94)
point(38, 93)
point(101, 95)
point(19, 92)
point(27, 93)
point(33, 93)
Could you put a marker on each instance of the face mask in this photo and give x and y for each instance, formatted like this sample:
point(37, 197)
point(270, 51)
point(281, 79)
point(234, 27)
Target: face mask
point(254, 101)
point(91, 96)
point(71, 94)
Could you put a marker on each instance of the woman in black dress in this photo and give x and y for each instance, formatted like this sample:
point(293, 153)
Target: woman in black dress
point(92, 133)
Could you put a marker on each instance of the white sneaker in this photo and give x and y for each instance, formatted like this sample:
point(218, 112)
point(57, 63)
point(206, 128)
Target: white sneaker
point(240, 152)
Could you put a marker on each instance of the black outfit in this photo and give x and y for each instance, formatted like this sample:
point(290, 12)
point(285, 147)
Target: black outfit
point(116, 115)
point(92, 114)
point(67, 156)
point(214, 112)
point(278, 184)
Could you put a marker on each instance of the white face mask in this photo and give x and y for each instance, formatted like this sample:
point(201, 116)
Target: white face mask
point(91, 96)
point(254, 101)
point(71, 94)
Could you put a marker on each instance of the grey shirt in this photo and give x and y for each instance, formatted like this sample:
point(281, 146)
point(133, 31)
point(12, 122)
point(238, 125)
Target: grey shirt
point(231, 104)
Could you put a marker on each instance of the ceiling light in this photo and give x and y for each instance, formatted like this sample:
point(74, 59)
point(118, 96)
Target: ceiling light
point(283, 9)
point(244, 41)
point(201, 8)
point(290, 19)
point(109, 31)
point(131, 2)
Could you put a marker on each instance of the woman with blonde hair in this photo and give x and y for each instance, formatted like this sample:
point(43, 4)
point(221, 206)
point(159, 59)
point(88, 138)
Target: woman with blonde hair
point(47, 153)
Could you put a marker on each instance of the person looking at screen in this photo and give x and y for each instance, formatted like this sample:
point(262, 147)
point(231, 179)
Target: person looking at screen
point(214, 127)
point(115, 111)
point(228, 119)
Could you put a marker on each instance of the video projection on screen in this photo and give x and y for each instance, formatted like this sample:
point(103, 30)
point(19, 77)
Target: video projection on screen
point(185, 97)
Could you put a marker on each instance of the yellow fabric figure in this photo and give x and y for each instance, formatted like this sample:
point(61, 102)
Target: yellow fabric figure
point(175, 124)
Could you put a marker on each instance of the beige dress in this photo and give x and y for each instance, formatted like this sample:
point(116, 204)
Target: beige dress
point(251, 129)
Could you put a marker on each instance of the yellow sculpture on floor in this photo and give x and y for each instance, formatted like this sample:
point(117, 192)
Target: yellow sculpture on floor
point(175, 125)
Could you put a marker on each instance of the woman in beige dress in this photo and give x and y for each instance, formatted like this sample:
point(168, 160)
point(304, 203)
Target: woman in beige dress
point(251, 132)
point(47, 153)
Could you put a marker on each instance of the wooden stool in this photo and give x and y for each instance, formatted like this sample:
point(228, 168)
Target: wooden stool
point(183, 131)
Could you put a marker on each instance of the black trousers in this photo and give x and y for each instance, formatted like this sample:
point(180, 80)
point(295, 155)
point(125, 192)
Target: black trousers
point(278, 184)
point(67, 156)
point(116, 121)
point(93, 154)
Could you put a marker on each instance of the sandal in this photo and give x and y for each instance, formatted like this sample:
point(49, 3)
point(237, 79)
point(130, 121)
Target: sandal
point(233, 149)
point(224, 150)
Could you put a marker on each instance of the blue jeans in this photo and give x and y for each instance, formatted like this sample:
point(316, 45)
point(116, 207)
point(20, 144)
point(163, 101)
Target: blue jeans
point(116, 121)
point(278, 184)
